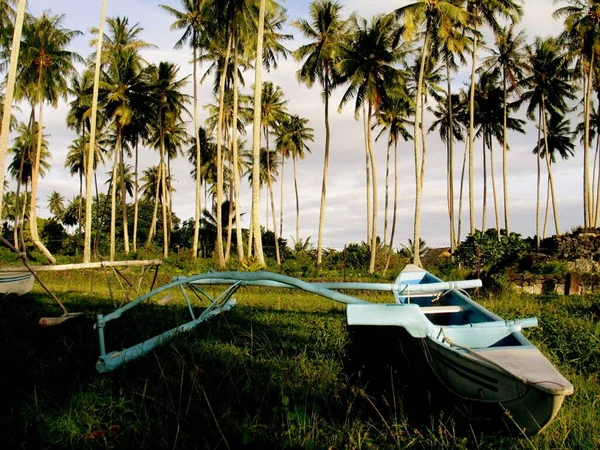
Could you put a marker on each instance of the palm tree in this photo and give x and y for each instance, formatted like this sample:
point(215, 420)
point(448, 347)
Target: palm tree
point(45, 68)
point(393, 117)
point(192, 20)
point(170, 104)
point(325, 30)
point(87, 246)
point(483, 12)
point(439, 18)
point(558, 140)
point(509, 56)
point(273, 112)
point(125, 91)
point(368, 62)
point(22, 165)
point(10, 88)
point(488, 116)
point(447, 51)
point(75, 162)
point(548, 91)
point(293, 136)
point(581, 35)
point(56, 205)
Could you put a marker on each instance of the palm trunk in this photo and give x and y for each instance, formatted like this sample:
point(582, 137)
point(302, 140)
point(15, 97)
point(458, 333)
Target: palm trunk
point(152, 231)
point(547, 209)
point(374, 179)
point(325, 170)
point(256, 239)
point(136, 202)
point(123, 193)
point(113, 206)
point(387, 190)
point(484, 205)
point(368, 176)
point(297, 201)
point(34, 184)
point(395, 213)
point(596, 182)
point(417, 151)
point(587, 192)
point(450, 162)
point(281, 196)
point(537, 208)
point(236, 174)
point(219, 246)
point(460, 194)
point(163, 184)
point(505, 157)
point(87, 247)
point(230, 215)
point(10, 87)
point(549, 168)
point(198, 203)
point(270, 188)
point(496, 212)
point(423, 140)
point(472, 136)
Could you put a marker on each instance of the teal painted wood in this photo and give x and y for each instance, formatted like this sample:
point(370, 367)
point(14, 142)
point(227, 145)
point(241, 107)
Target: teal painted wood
point(113, 360)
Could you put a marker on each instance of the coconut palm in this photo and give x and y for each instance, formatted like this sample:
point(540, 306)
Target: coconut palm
point(46, 66)
point(170, 106)
point(273, 112)
point(192, 19)
point(22, 166)
point(56, 205)
point(75, 162)
point(581, 35)
point(548, 90)
point(438, 18)
point(450, 51)
point(509, 57)
point(255, 244)
point(558, 138)
point(368, 61)
point(10, 87)
point(325, 30)
point(125, 89)
point(293, 136)
point(394, 117)
point(489, 115)
point(481, 13)
point(87, 246)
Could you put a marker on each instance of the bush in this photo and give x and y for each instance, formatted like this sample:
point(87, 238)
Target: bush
point(484, 252)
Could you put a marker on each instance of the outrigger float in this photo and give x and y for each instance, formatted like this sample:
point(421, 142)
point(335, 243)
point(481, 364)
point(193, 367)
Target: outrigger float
point(472, 352)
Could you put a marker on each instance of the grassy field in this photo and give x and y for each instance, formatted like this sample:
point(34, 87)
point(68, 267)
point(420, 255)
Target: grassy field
point(275, 372)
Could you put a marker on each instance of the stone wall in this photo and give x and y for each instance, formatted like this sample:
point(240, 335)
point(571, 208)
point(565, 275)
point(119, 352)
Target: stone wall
point(571, 284)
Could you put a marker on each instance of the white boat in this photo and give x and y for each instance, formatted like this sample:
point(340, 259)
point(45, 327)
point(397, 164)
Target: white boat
point(476, 355)
point(16, 282)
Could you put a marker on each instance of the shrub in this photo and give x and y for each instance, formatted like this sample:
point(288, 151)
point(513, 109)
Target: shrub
point(484, 252)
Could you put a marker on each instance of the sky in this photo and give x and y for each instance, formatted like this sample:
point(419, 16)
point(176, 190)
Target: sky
point(345, 218)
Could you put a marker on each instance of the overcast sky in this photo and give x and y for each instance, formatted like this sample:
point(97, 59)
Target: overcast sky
point(346, 199)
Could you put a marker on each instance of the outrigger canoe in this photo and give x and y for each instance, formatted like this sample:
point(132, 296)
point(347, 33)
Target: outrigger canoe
point(473, 353)
point(16, 282)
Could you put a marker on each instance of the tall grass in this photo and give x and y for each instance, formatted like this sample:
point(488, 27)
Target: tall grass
point(275, 372)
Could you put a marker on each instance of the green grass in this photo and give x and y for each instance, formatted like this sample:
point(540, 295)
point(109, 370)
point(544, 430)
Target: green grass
point(275, 372)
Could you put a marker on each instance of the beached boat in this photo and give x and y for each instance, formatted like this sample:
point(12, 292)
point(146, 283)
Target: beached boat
point(16, 282)
point(477, 356)
point(473, 353)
